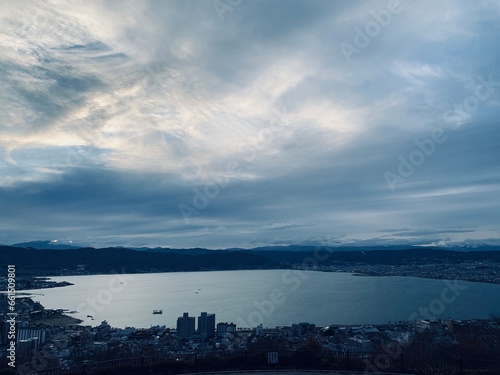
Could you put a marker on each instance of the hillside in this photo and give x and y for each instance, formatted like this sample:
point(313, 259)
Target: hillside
point(31, 261)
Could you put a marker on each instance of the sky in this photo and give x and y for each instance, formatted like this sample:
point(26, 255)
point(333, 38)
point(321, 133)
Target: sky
point(243, 123)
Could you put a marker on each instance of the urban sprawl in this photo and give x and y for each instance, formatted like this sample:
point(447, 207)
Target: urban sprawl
point(48, 338)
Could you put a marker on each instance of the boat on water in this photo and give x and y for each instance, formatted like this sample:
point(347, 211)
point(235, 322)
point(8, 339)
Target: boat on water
point(157, 312)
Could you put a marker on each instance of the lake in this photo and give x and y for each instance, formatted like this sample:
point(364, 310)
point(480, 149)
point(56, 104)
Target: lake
point(271, 297)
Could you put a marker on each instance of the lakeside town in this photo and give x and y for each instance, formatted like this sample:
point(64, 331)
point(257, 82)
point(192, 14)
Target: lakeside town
point(475, 271)
point(50, 339)
point(484, 271)
point(47, 338)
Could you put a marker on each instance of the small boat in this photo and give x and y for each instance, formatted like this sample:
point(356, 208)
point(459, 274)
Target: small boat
point(157, 312)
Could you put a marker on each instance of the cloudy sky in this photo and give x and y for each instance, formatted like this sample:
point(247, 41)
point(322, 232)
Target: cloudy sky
point(224, 123)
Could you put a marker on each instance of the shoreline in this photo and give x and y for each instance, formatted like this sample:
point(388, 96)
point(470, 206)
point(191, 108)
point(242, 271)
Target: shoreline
point(426, 277)
point(38, 283)
point(44, 316)
point(60, 284)
point(63, 320)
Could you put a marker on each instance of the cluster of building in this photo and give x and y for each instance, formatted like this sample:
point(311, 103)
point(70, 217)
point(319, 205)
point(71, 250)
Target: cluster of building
point(206, 327)
point(32, 282)
point(40, 334)
point(478, 271)
point(186, 326)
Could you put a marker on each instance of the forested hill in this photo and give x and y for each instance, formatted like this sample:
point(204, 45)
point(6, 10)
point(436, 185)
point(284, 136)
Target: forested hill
point(30, 261)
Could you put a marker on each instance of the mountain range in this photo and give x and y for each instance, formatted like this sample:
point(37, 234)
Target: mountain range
point(461, 246)
point(50, 262)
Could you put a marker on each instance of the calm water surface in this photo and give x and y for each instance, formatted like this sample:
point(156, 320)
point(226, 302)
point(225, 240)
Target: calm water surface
point(273, 297)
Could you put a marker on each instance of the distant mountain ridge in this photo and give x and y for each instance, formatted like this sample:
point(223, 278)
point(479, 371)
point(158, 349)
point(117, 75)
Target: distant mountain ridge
point(51, 262)
point(45, 245)
point(462, 246)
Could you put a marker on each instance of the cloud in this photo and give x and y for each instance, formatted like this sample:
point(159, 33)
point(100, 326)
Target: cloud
point(283, 225)
point(115, 113)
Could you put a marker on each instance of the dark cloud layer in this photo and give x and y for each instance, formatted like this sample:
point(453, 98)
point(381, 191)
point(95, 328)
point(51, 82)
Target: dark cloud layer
point(268, 122)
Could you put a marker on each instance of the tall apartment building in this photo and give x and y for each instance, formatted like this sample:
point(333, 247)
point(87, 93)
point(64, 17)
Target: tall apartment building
point(206, 325)
point(185, 326)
